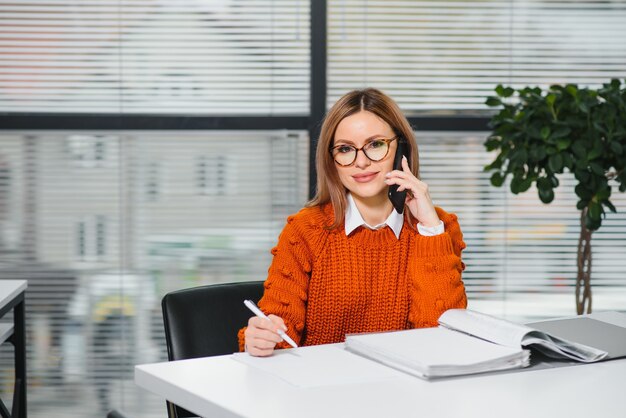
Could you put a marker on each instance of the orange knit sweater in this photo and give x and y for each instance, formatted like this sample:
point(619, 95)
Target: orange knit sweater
point(325, 284)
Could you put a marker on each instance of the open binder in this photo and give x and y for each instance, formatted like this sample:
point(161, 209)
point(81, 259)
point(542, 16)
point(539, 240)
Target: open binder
point(466, 342)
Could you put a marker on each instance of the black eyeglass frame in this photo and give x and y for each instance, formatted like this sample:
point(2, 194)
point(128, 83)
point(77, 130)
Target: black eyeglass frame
point(387, 141)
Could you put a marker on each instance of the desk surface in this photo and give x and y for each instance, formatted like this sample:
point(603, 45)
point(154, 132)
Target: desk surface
point(9, 289)
point(223, 387)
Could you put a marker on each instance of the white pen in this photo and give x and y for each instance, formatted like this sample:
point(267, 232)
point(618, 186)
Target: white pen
point(255, 309)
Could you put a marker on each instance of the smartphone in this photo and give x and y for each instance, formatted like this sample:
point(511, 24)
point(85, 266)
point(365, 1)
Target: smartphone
point(397, 198)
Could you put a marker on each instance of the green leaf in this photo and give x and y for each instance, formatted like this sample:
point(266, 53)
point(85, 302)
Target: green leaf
point(515, 185)
point(582, 204)
point(579, 148)
point(545, 132)
point(598, 126)
point(556, 87)
point(596, 150)
point(617, 148)
point(561, 132)
point(596, 168)
point(583, 107)
point(493, 142)
point(554, 181)
point(525, 184)
point(581, 163)
point(493, 102)
point(496, 164)
point(582, 175)
point(583, 192)
point(550, 98)
point(609, 205)
point(537, 153)
point(595, 211)
point(563, 143)
point(497, 179)
point(534, 131)
point(520, 157)
point(546, 196)
point(567, 160)
point(518, 184)
point(555, 163)
point(504, 91)
point(603, 194)
point(592, 224)
point(572, 89)
point(543, 183)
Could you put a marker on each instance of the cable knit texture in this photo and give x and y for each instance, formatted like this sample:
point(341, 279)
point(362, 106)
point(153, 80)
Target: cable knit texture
point(325, 284)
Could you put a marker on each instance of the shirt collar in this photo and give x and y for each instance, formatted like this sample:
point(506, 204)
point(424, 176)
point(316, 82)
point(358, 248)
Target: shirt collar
point(395, 221)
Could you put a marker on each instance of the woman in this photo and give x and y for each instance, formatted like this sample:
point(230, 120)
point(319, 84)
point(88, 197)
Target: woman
point(348, 262)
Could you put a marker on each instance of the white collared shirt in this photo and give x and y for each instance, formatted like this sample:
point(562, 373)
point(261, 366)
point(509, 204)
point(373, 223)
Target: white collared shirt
point(395, 221)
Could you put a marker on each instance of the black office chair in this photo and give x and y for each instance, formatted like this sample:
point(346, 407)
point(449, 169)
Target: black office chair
point(114, 413)
point(203, 321)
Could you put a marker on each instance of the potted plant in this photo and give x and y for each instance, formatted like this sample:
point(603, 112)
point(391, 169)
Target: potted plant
point(538, 135)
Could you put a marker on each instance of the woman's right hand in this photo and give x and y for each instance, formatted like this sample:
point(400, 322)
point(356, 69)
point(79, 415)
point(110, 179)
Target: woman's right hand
point(261, 336)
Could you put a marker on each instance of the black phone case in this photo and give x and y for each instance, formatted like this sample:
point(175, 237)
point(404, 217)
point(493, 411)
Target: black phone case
point(397, 198)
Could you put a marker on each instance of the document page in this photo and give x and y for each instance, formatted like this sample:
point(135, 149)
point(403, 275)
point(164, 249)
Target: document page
point(511, 334)
point(484, 326)
point(558, 348)
point(436, 352)
point(322, 365)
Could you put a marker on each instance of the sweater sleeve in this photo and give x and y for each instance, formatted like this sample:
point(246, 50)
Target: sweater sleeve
point(434, 270)
point(286, 286)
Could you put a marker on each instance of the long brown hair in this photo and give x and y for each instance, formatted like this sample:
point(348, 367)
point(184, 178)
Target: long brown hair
point(329, 187)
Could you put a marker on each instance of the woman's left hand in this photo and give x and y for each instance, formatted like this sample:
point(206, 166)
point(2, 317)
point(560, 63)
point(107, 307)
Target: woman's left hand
point(417, 197)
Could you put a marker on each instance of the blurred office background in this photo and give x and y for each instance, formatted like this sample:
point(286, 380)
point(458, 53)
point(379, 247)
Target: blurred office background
point(152, 145)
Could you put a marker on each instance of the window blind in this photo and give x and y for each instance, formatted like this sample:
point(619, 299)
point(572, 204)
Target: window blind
point(103, 224)
point(446, 57)
point(153, 56)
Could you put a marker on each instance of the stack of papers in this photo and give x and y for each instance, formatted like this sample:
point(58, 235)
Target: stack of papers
point(436, 352)
point(466, 342)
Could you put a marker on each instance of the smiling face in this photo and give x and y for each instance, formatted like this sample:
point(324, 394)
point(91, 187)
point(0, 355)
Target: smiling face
point(365, 179)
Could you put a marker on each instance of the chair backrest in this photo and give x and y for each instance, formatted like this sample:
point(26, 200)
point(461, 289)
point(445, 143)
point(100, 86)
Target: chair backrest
point(203, 321)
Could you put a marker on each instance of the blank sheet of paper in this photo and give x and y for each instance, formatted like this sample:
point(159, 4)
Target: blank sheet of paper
point(325, 365)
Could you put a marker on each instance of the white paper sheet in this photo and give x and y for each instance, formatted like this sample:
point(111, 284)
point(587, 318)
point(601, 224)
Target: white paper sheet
point(324, 366)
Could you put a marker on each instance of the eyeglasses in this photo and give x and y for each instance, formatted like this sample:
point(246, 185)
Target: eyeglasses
point(376, 150)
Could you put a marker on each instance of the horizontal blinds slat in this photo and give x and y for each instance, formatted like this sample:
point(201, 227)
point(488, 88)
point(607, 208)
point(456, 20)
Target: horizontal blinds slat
point(251, 57)
point(463, 49)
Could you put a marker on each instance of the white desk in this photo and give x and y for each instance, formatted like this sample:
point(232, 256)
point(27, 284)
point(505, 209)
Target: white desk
point(12, 298)
point(223, 387)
